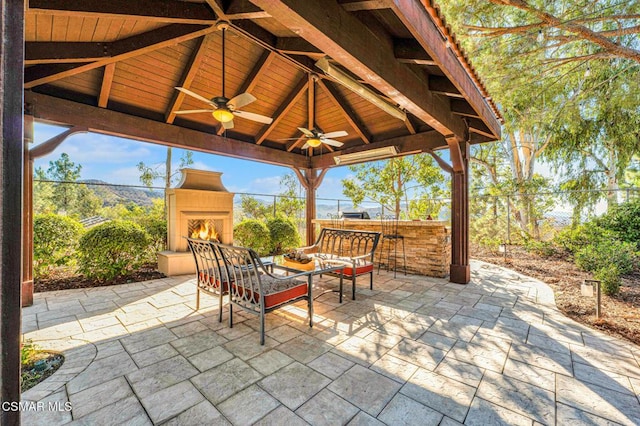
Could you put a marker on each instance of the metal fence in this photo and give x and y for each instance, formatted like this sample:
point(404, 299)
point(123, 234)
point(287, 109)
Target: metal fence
point(493, 219)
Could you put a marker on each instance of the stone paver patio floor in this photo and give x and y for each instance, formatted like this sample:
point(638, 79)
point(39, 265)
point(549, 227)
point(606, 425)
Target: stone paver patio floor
point(415, 350)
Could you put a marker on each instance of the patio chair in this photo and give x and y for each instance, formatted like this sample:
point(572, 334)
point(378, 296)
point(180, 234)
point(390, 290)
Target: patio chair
point(210, 278)
point(254, 289)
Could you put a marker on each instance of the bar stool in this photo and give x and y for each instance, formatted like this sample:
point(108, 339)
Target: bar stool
point(336, 221)
point(390, 235)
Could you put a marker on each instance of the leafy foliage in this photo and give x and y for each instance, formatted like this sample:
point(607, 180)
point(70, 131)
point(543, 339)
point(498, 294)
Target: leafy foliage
point(149, 174)
point(112, 249)
point(284, 235)
point(623, 220)
point(605, 253)
point(393, 182)
point(54, 241)
point(253, 233)
point(609, 277)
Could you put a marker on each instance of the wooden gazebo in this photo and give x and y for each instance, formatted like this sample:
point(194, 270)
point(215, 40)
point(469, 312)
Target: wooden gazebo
point(389, 72)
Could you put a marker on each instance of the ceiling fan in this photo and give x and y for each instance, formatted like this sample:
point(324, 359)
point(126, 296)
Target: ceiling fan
point(224, 109)
point(315, 137)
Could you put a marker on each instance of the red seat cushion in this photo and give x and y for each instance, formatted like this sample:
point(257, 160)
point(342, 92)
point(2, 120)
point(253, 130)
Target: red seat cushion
point(360, 269)
point(277, 292)
point(214, 284)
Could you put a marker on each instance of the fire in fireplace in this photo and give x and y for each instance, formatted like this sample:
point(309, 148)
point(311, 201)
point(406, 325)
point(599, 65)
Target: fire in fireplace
point(205, 229)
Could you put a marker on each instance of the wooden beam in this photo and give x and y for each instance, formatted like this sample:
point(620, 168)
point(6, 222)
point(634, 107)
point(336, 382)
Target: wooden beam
point(462, 107)
point(52, 52)
point(310, 180)
point(292, 145)
point(350, 43)
point(311, 101)
point(417, 18)
point(338, 100)
point(284, 108)
point(409, 125)
point(168, 11)
point(457, 161)
point(443, 164)
point(297, 46)
point(105, 87)
point(27, 215)
point(124, 125)
point(188, 74)
point(243, 9)
point(48, 146)
point(459, 270)
point(11, 215)
point(357, 5)
point(218, 9)
point(442, 86)
point(409, 51)
point(130, 47)
point(406, 145)
point(477, 126)
point(254, 76)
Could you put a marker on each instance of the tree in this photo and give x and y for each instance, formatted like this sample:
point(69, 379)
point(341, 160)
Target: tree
point(150, 173)
point(65, 173)
point(287, 203)
point(393, 182)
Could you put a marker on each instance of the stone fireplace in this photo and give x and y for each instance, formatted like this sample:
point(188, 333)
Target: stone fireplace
point(199, 206)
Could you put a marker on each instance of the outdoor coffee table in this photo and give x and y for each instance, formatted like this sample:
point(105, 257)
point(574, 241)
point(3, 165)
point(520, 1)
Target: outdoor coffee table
point(322, 266)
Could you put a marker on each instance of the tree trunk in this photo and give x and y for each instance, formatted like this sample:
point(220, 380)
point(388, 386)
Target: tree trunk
point(167, 164)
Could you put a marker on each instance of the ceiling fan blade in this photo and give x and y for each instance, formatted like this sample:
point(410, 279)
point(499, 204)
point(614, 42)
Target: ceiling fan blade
point(241, 100)
point(306, 132)
point(194, 111)
point(331, 142)
point(227, 124)
point(253, 117)
point(338, 134)
point(305, 146)
point(195, 95)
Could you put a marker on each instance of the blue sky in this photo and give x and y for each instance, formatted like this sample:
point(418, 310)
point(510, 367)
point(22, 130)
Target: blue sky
point(114, 160)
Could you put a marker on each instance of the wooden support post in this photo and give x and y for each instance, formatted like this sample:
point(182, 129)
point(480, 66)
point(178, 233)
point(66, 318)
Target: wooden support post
point(11, 158)
point(460, 271)
point(27, 216)
point(310, 180)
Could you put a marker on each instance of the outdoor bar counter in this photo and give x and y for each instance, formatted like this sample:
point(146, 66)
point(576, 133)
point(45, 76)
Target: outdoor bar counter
point(427, 243)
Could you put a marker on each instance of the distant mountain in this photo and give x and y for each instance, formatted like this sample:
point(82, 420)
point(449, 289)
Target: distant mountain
point(117, 194)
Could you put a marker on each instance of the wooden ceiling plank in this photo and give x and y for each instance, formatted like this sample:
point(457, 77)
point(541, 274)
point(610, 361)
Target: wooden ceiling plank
point(311, 101)
point(338, 100)
point(410, 144)
point(478, 126)
point(409, 51)
point(105, 89)
point(51, 52)
point(114, 123)
point(169, 11)
point(356, 5)
point(189, 73)
point(350, 43)
point(123, 49)
point(417, 20)
point(254, 76)
point(284, 108)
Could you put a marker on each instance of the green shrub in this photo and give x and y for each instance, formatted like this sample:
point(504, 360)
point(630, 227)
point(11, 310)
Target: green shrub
point(541, 248)
point(284, 235)
point(609, 278)
point(112, 249)
point(253, 233)
point(54, 242)
point(623, 220)
point(605, 253)
point(577, 237)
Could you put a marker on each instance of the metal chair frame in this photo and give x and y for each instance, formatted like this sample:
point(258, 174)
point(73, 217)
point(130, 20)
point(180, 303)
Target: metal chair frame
point(210, 279)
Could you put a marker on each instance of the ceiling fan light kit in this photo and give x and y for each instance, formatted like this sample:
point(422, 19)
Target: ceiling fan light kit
point(361, 156)
point(347, 81)
point(223, 115)
point(314, 142)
